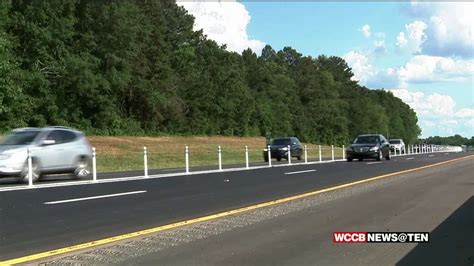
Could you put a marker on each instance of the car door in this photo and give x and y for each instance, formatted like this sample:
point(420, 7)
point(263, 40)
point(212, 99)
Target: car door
point(48, 155)
point(296, 148)
point(384, 146)
point(67, 149)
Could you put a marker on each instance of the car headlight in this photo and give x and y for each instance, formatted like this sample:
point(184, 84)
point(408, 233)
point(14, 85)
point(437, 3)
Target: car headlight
point(5, 156)
point(283, 149)
point(374, 149)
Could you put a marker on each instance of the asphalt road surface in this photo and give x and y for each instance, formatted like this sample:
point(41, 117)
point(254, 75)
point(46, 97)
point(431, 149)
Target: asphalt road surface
point(297, 234)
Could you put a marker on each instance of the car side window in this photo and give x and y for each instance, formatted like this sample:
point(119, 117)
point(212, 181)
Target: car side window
point(55, 135)
point(67, 136)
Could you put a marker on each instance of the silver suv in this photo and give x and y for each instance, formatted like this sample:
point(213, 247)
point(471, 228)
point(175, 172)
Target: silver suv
point(397, 145)
point(54, 150)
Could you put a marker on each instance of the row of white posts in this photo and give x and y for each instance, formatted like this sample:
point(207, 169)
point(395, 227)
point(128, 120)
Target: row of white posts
point(186, 158)
point(417, 149)
point(412, 149)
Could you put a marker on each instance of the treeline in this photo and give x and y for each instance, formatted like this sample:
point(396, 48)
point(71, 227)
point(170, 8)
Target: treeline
point(137, 67)
point(456, 140)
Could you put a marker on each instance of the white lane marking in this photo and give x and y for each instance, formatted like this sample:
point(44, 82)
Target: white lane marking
point(431, 155)
point(95, 197)
point(373, 163)
point(140, 178)
point(411, 158)
point(300, 172)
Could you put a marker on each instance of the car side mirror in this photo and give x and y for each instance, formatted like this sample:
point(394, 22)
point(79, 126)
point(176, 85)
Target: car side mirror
point(47, 142)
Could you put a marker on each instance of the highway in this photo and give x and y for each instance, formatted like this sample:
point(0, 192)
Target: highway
point(38, 220)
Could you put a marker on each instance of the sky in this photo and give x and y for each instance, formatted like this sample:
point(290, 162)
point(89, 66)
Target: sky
point(422, 52)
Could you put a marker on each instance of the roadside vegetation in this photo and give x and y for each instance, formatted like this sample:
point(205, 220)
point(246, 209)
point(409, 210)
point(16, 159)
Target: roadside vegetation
point(138, 68)
point(126, 153)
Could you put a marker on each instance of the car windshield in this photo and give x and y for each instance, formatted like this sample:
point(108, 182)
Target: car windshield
point(281, 142)
point(394, 142)
point(21, 138)
point(367, 140)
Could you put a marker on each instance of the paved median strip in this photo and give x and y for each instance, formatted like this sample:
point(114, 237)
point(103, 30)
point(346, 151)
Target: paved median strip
point(300, 172)
point(95, 197)
point(99, 242)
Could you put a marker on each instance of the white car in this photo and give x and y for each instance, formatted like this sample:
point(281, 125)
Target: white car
point(54, 150)
point(397, 145)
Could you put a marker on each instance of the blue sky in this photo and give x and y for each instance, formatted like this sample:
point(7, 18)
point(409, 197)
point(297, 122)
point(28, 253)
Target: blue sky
point(422, 52)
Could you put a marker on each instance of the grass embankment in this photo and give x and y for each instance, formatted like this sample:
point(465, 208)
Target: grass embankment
point(126, 153)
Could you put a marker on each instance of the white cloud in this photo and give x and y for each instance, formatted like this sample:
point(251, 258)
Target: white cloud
point(360, 65)
point(401, 39)
point(450, 27)
point(465, 113)
point(224, 22)
point(365, 31)
point(379, 46)
point(425, 68)
point(413, 39)
point(437, 113)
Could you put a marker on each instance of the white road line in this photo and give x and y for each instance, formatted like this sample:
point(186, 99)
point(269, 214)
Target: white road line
point(431, 155)
point(300, 172)
point(411, 158)
point(373, 163)
point(95, 197)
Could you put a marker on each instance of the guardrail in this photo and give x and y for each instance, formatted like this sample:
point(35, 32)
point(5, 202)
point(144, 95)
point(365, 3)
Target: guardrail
point(330, 153)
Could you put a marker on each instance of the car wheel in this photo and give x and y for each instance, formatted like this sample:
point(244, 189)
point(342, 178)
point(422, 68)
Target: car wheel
point(388, 157)
point(360, 159)
point(349, 159)
point(278, 158)
point(35, 170)
point(379, 156)
point(82, 168)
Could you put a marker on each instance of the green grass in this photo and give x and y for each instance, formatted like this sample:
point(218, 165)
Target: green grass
point(126, 153)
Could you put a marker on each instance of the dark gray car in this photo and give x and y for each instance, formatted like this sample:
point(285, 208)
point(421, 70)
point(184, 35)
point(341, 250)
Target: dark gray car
point(370, 146)
point(279, 148)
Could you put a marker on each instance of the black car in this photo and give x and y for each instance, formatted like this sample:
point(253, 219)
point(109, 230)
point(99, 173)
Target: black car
point(373, 146)
point(279, 148)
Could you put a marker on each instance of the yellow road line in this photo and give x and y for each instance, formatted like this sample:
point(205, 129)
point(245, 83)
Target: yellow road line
point(209, 217)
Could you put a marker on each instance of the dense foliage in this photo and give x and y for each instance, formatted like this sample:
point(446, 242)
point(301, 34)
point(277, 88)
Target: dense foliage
point(130, 68)
point(456, 140)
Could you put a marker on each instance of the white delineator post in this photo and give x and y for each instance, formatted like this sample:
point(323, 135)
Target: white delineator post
point(247, 157)
point(305, 154)
point(289, 154)
point(30, 168)
point(94, 165)
point(320, 154)
point(343, 152)
point(332, 152)
point(186, 158)
point(145, 161)
point(269, 152)
point(219, 152)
